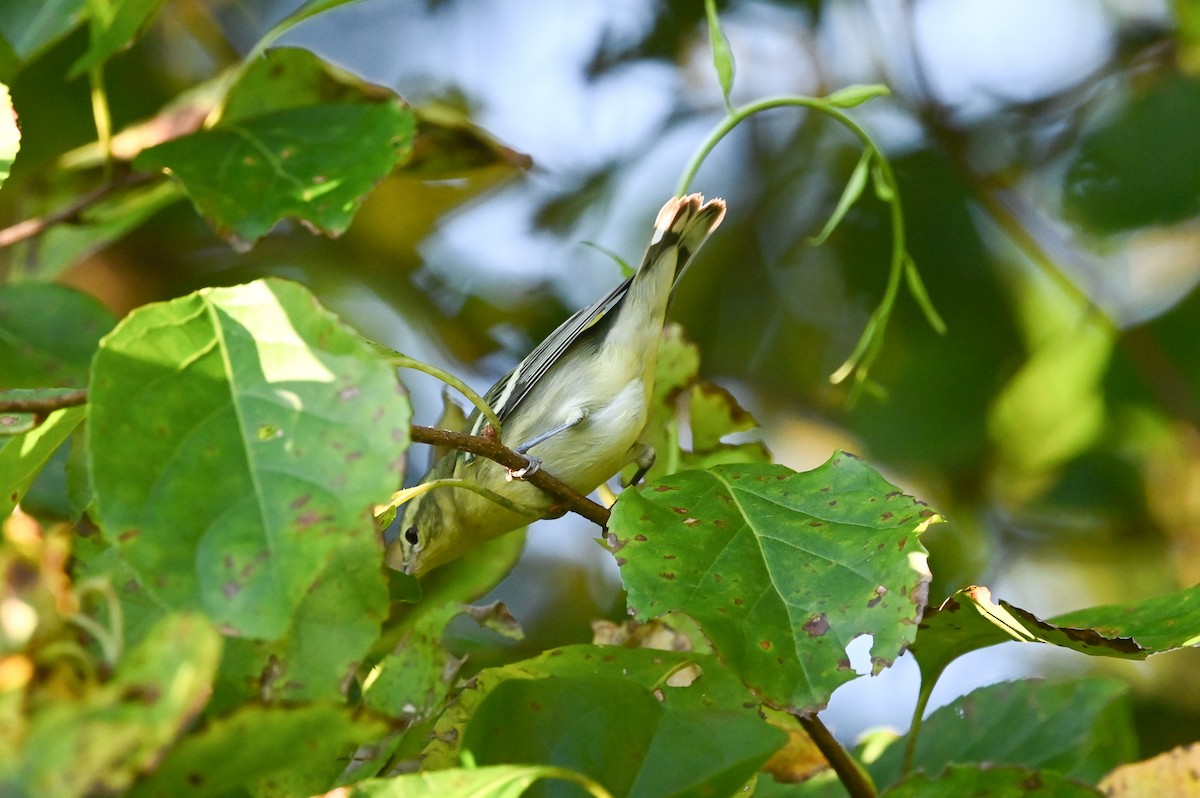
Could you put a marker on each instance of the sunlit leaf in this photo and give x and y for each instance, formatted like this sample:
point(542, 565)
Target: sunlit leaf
point(10, 134)
point(238, 438)
point(1081, 729)
point(315, 164)
point(781, 569)
point(22, 456)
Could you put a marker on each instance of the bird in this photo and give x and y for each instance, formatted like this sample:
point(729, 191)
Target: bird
point(576, 405)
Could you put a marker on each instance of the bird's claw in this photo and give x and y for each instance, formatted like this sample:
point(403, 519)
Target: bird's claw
point(532, 464)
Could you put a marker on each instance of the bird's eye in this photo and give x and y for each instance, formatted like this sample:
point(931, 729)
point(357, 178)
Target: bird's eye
point(411, 536)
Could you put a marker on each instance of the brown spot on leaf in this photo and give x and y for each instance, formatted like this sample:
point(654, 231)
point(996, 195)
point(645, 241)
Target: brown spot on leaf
point(535, 706)
point(843, 664)
point(903, 542)
point(663, 488)
point(825, 489)
point(668, 556)
point(231, 589)
point(639, 537)
point(195, 779)
point(816, 523)
point(720, 524)
point(739, 602)
point(681, 510)
point(833, 503)
point(885, 515)
point(817, 625)
point(765, 645)
point(621, 561)
point(128, 535)
point(300, 501)
point(691, 521)
point(667, 575)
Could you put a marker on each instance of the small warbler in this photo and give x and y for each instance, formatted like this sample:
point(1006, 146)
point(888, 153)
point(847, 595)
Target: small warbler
point(576, 405)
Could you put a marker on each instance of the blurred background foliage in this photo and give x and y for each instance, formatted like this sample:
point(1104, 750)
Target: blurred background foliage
point(1049, 164)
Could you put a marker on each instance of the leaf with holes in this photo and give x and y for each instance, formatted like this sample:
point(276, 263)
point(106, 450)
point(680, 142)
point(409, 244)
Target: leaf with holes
point(238, 438)
point(781, 569)
point(314, 163)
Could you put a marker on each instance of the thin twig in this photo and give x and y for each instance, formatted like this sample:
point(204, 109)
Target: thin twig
point(70, 212)
point(44, 405)
point(852, 776)
point(492, 449)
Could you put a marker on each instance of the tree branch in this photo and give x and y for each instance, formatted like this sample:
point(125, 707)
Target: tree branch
point(43, 405)
point(492, 449)
point(856, 782)
point(70, 212)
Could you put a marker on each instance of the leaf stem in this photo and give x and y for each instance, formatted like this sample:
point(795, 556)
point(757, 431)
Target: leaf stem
point(850, 773)
point(405, 362)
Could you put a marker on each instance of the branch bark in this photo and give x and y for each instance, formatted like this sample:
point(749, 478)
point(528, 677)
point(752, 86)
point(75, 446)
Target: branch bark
point(44, 405)
point(492, 449)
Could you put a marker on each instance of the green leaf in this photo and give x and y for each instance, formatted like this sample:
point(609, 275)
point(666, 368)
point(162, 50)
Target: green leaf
point(1081, 729)
point(48, 334)
point(415, 678)
point(859, 93)
point(850, 194)
point(327, 637)
point(10, 134)
point(970, 620)
point(722, 54)
point(712, 414)
point(500, 781)
point(22, 456)
point(100, 743)
point(781, 569)
point(984, 781)
point(30, 27)
point(258, 744)
point(285, 78)
point(115, 25)
point(686, 681)
point(616, 732)
point(315, 164)
point(1142, 168)
point(238, 437)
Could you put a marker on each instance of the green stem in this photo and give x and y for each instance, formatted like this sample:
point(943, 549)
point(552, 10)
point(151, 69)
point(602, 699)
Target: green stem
point(850, 773)
point(869, 342)
point(914, 728)
point(405, 362)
